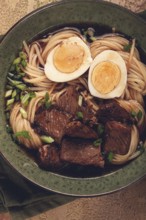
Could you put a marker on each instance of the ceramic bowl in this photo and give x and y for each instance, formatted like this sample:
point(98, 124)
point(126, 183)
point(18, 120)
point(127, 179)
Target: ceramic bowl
point(52, 16)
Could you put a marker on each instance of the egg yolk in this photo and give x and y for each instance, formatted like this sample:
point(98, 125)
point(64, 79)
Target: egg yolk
point(68, 57)
point(105, 77)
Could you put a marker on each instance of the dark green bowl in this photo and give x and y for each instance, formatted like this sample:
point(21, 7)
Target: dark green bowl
point(67, 12)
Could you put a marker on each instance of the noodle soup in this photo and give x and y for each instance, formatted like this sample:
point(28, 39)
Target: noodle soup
point(75, 100)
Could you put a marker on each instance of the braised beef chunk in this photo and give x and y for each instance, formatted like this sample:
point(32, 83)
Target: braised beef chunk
point(51, 122)
point(113, 111)
point(117, 137)
point(89, 116)
point(78, 129)
point(68, 101)
point(82, 134)
point(81, 152)
point(48, 157)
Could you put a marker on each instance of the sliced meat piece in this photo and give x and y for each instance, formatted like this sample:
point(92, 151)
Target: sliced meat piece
point(117, 137)
point(49, 157)
point(51, 122)
point(78, 129)
point(89, 116)
point(81, 152)
point(68, 101)
point(113, 111)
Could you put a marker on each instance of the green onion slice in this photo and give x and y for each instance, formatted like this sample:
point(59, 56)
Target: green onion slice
point(8, 93)
point(139, 115)
point(97, 142)
point(23, 133)
point(80, 115)
point(80, 100)
point(10, 101)
point(110, 156)
point(47, 139)
point(23, 112)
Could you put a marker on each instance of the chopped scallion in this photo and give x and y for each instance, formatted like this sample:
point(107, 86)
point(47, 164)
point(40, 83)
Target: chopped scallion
point(139, 115)
point(24, 63)
point(110, 156)
point(23, 112)
point(92, 38)
point(47, 100)
point(22, 74)
point(80, 115)
point(22, 55)
point(100, 129)
point(10, 101)
point(32, 95)
point(17, 61)
point(47, 139)
point(14, 82)
point(14, 93)
point(18, 68)
point(23, 133)
point(46, 96)
point(25, 98)
point(98, 142)
point(133, 113)
point(8, 93)
point(48, 104)
point(80, 100)
point(21, 86)
point(127, 47)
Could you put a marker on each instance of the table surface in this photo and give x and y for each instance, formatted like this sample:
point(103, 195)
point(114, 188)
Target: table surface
point(125, 204)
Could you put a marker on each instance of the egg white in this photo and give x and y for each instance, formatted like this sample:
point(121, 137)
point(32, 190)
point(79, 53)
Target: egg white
point(55, 75)
point(114, 57)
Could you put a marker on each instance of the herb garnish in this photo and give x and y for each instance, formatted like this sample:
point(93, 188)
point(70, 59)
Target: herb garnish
point(136, 114)
point(100, 129)
point(80, 115)
point(47, 101)
point(80, 100)
point(26, 98)
point(139, 115)
point(23, 113)
point(47, 139)
point(127, 47)
point(23, 133)
point(110, 156)
point(15, 85)
point(97, 142)
point(133, 113)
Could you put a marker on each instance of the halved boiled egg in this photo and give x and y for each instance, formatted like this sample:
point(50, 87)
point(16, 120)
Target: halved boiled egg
point(68, 60)
point(107, 75)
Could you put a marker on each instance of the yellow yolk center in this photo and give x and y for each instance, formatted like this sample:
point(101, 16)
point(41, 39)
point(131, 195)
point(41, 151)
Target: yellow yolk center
point(68, 57)
point(105, 77)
